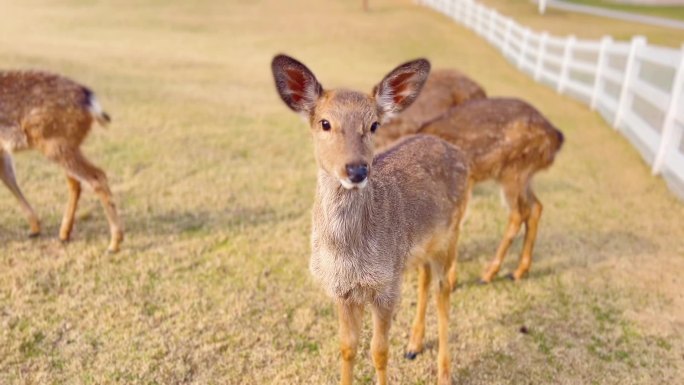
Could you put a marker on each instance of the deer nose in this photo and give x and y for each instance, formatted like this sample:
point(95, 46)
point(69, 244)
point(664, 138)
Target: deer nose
point(357, 172)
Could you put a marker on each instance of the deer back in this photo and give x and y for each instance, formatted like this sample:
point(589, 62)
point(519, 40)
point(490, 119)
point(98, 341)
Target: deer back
point(38, 106)
point(498, 134)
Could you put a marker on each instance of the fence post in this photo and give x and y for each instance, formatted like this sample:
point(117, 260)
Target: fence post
point(507, 37)
point(601, 64)
point(669, 123)
point(523, 47)
point(565, 67)
point(637, 41)
point(541, 50)
point(493, 15)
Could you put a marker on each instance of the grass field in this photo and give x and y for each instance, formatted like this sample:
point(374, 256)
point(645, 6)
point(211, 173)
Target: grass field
point(560, 23)
point(668, 11)
point(215, 179)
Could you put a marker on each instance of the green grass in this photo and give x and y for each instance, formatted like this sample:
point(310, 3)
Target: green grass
point(560, 23)
point(666, 11)
point(215, 178)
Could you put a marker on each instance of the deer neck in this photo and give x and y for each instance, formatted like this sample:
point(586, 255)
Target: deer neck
point(342, 217)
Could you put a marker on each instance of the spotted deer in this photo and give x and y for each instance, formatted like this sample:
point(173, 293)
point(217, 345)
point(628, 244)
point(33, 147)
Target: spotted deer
point(443, 90)
point(53, 115)
point(375, 217)
point(506, 140)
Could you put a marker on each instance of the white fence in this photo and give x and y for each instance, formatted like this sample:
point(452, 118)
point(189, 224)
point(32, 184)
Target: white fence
point(635, 86)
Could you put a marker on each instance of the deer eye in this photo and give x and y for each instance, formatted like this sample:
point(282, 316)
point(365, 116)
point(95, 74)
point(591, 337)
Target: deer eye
point(325, 125)
point(374, 126)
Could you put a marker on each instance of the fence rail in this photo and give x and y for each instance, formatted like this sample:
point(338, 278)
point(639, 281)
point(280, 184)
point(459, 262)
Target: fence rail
point(635, 86)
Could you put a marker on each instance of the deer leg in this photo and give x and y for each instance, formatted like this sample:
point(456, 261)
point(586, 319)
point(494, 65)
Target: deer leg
point(350, 317)
point(68, 220)
point(8, 177)
point(418, 330)
point(78, 167)
point(514, 222)
point(515, 219)
point(531, 225)
point(452, 258)
point(382, 320)
point(443, 307)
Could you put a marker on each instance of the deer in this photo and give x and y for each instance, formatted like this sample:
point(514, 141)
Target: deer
point(53, 115)
point(444, 89)
point(374, 217)
point(506, 140)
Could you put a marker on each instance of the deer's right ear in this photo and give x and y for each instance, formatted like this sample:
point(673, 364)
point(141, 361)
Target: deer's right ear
point(296, 84)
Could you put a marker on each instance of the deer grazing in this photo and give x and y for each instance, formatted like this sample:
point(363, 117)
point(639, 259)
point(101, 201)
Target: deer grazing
point(375, 217)
point(443, 90)
point(53, 115)
point(506, 140)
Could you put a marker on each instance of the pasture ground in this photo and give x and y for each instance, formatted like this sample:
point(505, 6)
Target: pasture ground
point(561, 23)
point(215, 177)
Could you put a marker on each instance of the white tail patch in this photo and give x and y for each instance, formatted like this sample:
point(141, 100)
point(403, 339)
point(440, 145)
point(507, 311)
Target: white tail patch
point(97, 112)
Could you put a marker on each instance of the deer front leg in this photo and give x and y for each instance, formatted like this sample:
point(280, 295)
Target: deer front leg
point(350, 316)
point(68, 219)
point(382, 320)
point(8, 177)
point(418, 330)
point(443, 356)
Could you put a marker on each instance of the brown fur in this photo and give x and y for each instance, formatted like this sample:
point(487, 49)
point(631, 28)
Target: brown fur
point(444, 89)
point(509, 141)
point(52, 115)
point(365, 235)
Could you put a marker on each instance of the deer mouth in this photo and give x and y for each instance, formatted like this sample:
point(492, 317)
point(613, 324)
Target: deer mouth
point(349, 185)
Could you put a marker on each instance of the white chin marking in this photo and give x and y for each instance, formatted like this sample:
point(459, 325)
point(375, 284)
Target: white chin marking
point(349, 185)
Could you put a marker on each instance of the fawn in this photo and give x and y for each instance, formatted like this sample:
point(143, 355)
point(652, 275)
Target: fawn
point(506, 140)
point(375, 217)
point(444, 89)
point(53, 115)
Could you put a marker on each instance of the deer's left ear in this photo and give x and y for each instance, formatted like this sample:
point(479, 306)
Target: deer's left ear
point(401, 87)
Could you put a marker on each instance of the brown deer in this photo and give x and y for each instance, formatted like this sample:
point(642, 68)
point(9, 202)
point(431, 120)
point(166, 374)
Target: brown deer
point(509, 141)
point(53, 115)
point(375, 217)
point(444, 89)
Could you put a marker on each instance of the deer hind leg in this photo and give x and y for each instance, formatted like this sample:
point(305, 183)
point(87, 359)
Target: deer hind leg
point(443, 307)
point(350, 316)
point(533, 210)
point(382, 320)
point(515, 218)
point(8, 177)
point(78, 167)
point(68, 220)
point(418, 330)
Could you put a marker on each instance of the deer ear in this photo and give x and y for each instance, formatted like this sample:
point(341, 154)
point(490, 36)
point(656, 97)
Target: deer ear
point(296, 84)
point(401, 87)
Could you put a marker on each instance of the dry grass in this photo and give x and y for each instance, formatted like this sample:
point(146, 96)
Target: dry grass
point(215, 180)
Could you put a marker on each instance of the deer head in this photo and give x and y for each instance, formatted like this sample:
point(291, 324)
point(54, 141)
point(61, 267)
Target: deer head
point(342, 121)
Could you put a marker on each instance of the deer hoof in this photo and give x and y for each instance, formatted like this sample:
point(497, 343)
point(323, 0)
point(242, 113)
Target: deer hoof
point(410, 355)
point(34, 234)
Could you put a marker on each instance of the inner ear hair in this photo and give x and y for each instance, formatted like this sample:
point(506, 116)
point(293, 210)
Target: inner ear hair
point(296, 84)
point(401, 87)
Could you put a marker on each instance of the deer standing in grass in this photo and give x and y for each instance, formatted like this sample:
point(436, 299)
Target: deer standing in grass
point(505, 139)
point(375, 217)
point(53, 115)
